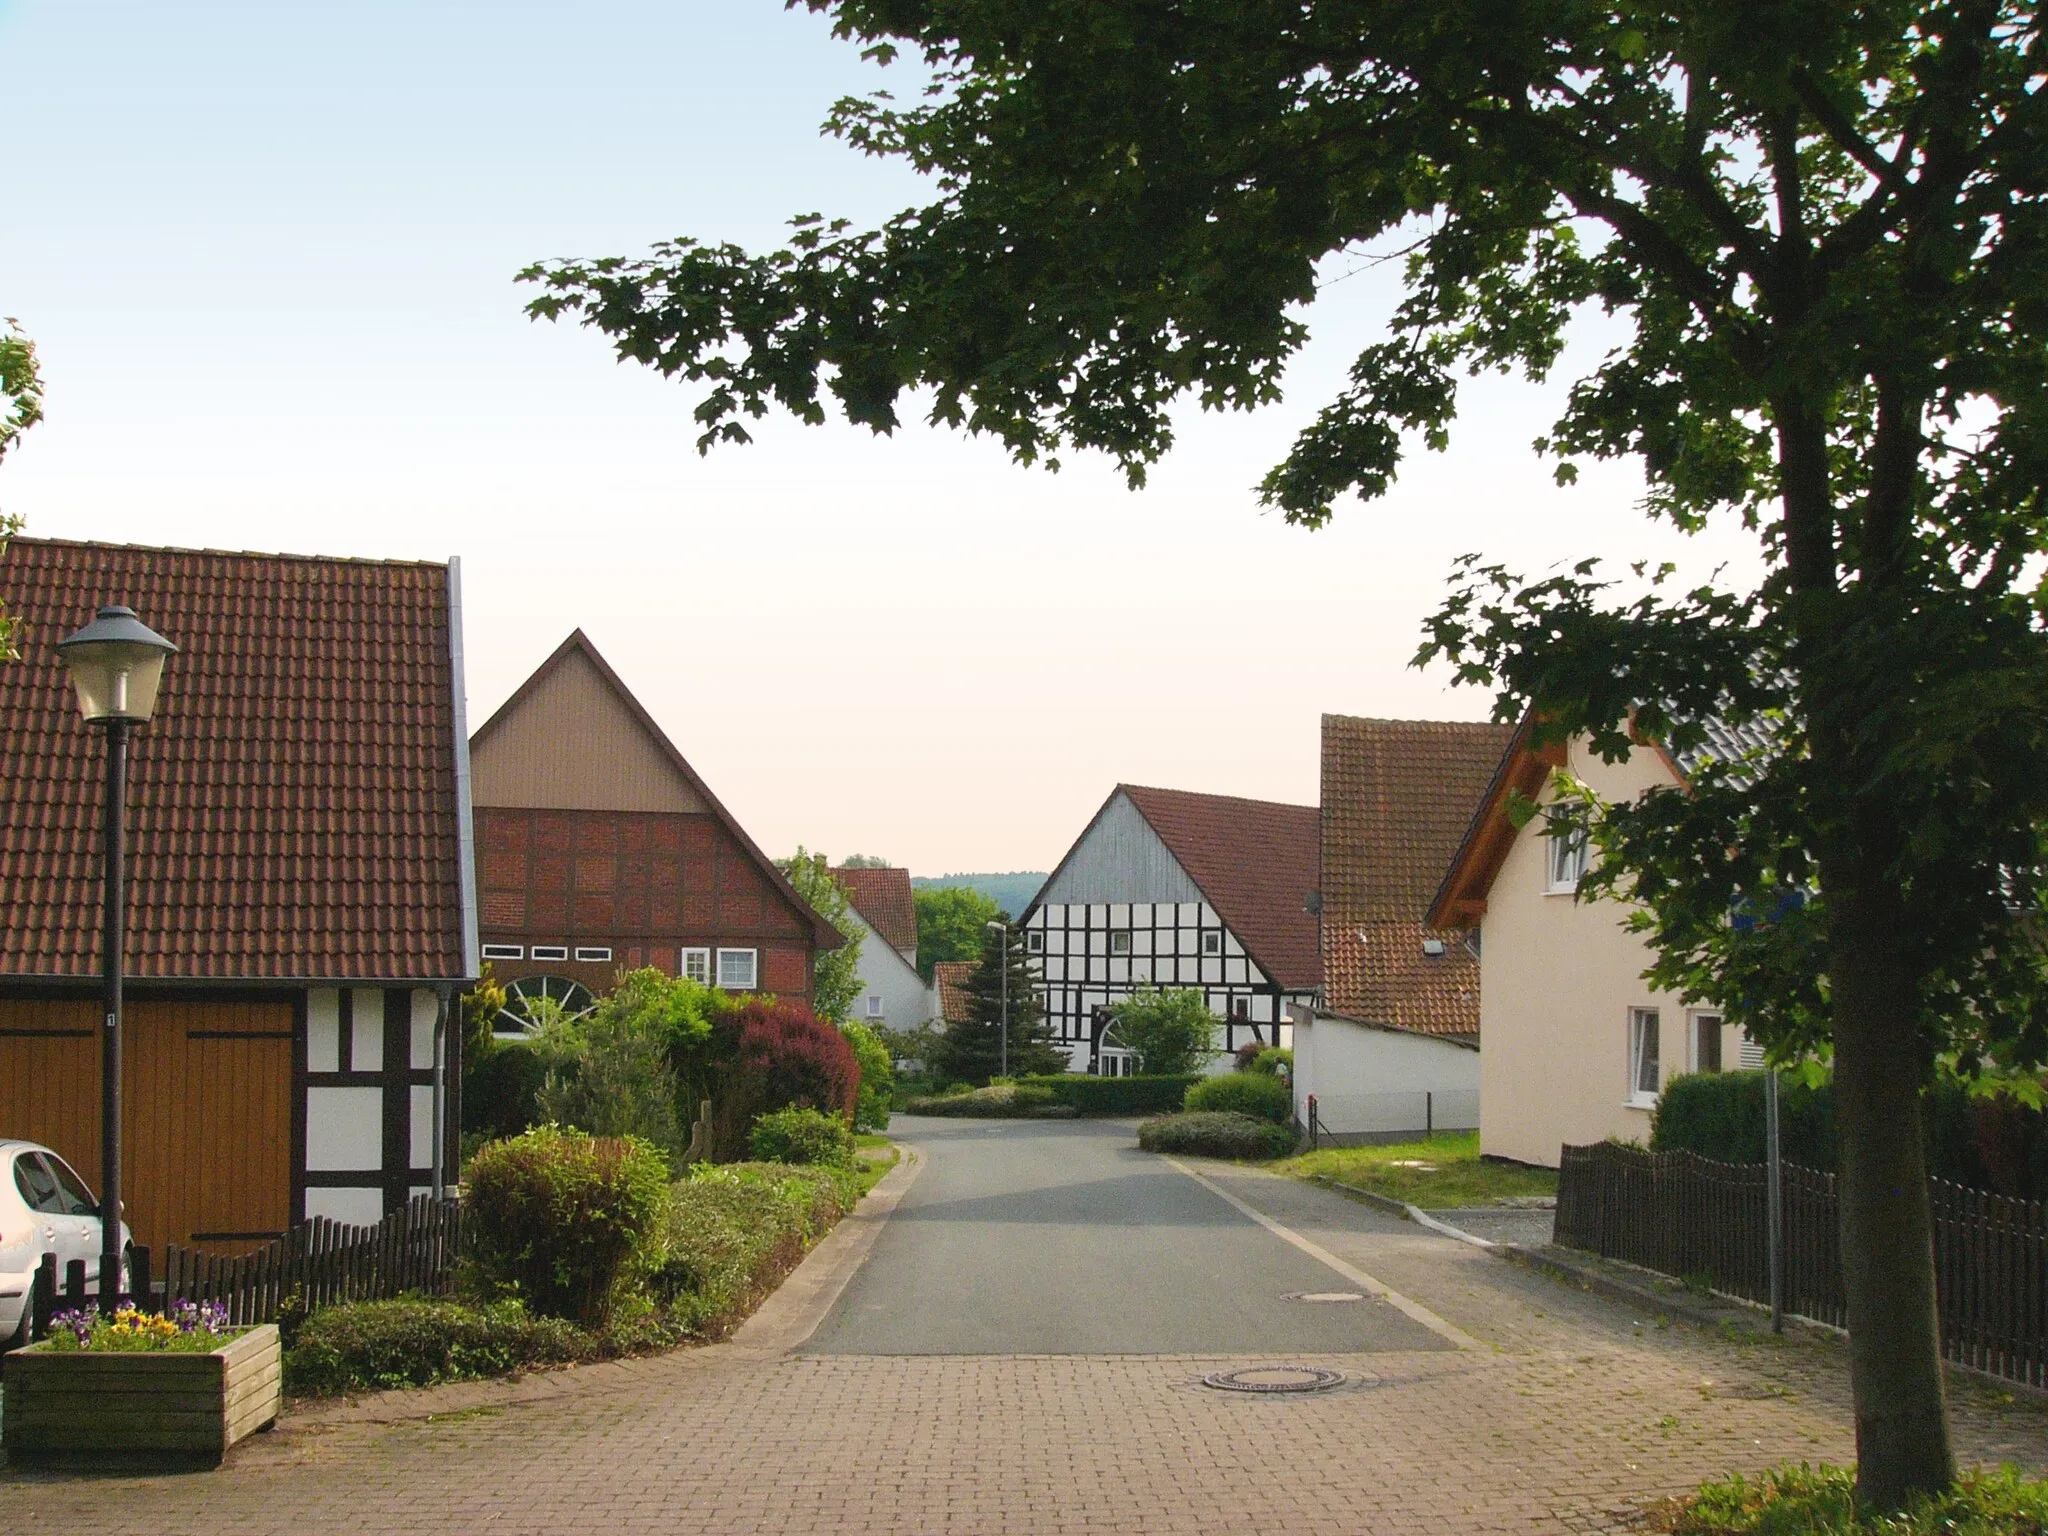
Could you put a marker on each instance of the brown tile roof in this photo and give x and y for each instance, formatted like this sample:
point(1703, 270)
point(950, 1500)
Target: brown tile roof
point(1256, 862)
point(1397, 798)
point(292, 806)
point(951, 977)
point(883, 899)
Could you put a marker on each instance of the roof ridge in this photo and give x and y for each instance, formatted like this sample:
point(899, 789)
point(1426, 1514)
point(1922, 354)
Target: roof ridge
point(1198, 794)
point(45, 542)
point(1410, 720)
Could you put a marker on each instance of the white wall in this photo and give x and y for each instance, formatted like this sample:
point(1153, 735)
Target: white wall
point(906, 1001)
point(1374, 1080)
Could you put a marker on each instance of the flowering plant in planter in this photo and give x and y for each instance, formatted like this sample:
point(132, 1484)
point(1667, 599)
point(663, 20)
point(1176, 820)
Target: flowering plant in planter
point(187, 1327)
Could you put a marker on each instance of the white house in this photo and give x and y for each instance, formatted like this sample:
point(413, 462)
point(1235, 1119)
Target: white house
point(1577, 1046)
point(1174, 890)
point(892, 993)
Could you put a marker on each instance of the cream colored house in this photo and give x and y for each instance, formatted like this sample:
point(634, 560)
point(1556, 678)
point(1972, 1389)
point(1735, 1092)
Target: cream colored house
point(1575, 1045)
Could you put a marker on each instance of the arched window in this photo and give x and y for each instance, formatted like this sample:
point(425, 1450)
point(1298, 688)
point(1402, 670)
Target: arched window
point(572, 997)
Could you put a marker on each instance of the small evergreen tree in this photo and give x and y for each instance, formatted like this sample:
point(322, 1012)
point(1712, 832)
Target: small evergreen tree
point(971, 1050)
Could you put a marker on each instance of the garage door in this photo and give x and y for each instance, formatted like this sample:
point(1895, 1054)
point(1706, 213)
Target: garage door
point(208, 1133)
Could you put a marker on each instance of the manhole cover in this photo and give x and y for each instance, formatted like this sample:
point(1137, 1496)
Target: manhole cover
point(1274, 1378)
point(1325, 1296)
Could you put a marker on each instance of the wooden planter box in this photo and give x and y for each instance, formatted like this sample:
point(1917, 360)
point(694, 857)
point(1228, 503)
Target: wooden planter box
point(146, 1405)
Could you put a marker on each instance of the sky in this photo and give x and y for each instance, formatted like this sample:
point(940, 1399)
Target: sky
point(266, 252)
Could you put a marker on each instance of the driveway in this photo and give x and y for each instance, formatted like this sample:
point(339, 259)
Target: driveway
point(1559, 1411)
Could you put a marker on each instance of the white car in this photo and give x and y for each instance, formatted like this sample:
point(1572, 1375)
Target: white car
point(44, 1208)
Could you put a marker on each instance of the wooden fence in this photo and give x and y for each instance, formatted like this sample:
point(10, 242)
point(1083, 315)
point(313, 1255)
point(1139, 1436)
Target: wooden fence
point(1683, 1215)
point(325, 1262)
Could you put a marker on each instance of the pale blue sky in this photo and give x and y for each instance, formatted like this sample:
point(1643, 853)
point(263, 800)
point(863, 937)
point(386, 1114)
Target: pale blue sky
point(267, 250)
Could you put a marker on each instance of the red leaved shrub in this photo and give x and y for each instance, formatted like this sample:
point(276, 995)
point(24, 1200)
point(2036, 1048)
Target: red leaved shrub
point(774, 1053)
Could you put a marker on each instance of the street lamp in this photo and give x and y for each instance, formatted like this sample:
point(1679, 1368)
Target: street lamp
point(1003, 952)
point(116, 663)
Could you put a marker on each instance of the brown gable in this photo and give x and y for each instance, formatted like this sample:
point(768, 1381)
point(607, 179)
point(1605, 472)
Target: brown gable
point(293, 807)
point(524, 719)
point(1397, 796)
point(1460, 897)
point(950, 976)
point(1256, 862)
point(884, 901)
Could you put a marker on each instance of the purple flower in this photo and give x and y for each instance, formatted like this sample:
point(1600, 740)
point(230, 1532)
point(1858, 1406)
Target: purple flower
point(80, 1324)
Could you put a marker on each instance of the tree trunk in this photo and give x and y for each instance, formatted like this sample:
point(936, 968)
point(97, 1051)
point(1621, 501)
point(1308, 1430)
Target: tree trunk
point(1902, 1437)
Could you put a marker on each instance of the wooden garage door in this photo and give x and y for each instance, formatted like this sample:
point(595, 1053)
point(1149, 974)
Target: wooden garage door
point(208, 1133)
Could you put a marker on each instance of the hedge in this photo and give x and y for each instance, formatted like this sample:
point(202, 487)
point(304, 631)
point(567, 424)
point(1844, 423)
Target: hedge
point(1993, 1143)
point(1202, 1134)
point(1245, 1093)
point(1117, 1095)
point(999, 1101)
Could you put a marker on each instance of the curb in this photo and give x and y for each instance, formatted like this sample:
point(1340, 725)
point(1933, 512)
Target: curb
point(1402, 1209)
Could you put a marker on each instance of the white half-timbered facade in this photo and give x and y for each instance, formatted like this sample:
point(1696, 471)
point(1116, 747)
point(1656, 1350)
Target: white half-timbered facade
point(1176, 890)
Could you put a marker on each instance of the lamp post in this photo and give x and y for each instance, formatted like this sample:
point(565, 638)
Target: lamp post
point(116, 663)
point(1003, 951)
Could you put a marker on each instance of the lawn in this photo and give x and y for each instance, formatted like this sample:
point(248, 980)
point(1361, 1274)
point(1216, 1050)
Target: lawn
point(877, 1155)
point(1438, 1174)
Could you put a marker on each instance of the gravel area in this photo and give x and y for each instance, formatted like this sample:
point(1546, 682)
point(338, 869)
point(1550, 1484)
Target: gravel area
point(1501, 1225)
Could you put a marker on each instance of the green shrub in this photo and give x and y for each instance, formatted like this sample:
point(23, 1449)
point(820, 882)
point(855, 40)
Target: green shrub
point(1116, 1095)
point(1245, 1093)
point(418, 1342)
point(877, 1077)
point(997, 1101)
point(1808, 1501)
point(1206, 1134)
point(498, 1090)
point(608, 1073)
point(802, 1136)
point(730, 1230)
point(561, 1219)
point(1721, 1115)
point(1275, 1061)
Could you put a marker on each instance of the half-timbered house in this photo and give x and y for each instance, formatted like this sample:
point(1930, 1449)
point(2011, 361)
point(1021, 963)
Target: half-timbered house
point(601, 850)
point(1175, 890)
point(299, 917)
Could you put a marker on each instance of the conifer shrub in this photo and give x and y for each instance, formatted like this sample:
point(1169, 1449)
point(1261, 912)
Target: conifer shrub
point(563, 1220)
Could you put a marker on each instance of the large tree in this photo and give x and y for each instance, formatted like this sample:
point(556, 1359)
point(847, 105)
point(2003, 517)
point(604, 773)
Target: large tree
point(1817, 225)
point(21, 407)
point(951, 923)
point(835, 973)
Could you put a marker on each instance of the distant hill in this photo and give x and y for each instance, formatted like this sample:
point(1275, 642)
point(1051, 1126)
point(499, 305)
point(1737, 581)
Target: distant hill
point(1011, 892)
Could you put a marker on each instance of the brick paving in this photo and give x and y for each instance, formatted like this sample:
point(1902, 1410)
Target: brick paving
point(1570, 1417)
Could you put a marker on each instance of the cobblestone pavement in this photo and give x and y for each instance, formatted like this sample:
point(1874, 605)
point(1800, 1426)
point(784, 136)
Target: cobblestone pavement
point(1569, 1417)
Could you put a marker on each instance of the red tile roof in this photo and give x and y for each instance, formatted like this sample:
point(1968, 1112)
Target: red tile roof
point(1397, 798)
point(1255, 860)
point(951, 977)
point(883, 899)
point(293, 805)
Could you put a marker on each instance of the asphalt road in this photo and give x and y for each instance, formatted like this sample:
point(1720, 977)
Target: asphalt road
point(1050, 1237)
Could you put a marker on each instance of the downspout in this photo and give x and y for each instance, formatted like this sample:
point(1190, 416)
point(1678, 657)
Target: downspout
point(442, 993)
point(465, 860)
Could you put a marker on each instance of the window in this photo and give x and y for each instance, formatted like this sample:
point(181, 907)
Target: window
point(37, 1187)
point(1035, 943)
point(737, 969)
point(1120, 942)
point(874, 1005)
point(550, 951)
point(599, 952)
point(1567, 859)
point(1643, 1079)
point(78, 1200)
point(1706, 1042)
point(1749, 1055)
point(1212, 943)
point(553, 993)
point(1241, 1009)
point(697, 965)
point(504, 952)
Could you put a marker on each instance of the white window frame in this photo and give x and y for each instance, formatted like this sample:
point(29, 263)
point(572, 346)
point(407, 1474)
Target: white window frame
point(702, 957)
point(504, 951)
point(550, 952)
point(753, 981)
point(593, 954)
point(1696, 1020)
point(874, 1005)
point(1120, 941)
point(1565, 863)
point(1034, 942)
point(1212, 942)
point(1642, 1023)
